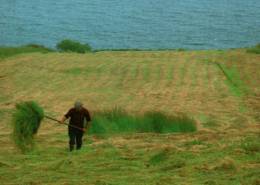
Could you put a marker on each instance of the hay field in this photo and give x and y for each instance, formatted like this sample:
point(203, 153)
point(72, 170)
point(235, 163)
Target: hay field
point(223, 151)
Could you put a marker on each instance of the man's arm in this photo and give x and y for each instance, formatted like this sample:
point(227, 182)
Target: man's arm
point(66, 116)
point(63, 119)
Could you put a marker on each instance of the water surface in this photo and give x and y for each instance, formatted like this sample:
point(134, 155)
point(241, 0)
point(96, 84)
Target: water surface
point(192, 24)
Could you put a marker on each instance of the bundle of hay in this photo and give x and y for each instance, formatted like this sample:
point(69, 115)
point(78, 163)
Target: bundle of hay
point(26, 122)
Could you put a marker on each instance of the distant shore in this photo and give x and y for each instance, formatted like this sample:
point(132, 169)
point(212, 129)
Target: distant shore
point(7, 51)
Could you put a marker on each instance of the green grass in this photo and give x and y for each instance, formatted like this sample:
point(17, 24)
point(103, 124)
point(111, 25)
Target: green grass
point(183, 72)
point(119, 121)
point(11, 51)
point(170, 74)
point(129, 160)
point(193, 142)
point(251, 145)
point(233, 80)
point(135, 71)
point(158, 72)
point(122, 73)
point(146, 73)
point(194, 74)
point(26, 122)
point(77, 71)
point(159, 158)
point(255, 49)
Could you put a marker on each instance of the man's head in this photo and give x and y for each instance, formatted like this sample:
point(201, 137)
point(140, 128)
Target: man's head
point(78, 105)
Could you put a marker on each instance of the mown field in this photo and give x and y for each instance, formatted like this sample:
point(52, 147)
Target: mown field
point(219, 89)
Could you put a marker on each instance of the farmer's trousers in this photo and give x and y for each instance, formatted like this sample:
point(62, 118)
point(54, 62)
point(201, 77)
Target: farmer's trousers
point(75, 136)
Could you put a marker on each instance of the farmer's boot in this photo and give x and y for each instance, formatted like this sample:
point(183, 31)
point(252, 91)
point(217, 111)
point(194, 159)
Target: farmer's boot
point(78, 147)
point(79, 144)
point(71, 148)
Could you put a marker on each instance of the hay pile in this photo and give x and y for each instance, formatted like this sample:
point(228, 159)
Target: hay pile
point(26, 122)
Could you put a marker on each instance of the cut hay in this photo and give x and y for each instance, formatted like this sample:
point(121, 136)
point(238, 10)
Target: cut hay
point(26, 122)
point(226, 164)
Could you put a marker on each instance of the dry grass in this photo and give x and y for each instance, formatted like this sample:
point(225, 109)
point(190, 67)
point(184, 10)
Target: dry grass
point(138, 82)
point(226, 164)
point(166, 81)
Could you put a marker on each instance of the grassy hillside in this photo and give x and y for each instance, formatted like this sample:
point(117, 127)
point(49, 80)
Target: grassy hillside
point(30, 48)
point(219, 89)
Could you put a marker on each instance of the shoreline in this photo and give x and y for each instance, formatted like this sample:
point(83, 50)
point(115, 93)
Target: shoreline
point(33, 45)
point(8, 51)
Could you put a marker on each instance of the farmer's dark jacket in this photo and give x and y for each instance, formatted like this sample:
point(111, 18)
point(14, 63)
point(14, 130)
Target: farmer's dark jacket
point(77, 116)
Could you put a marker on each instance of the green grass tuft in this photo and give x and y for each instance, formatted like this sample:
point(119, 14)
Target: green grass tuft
point(114, 121)
point(26, 122)
point(161, 123)
point(119, 121)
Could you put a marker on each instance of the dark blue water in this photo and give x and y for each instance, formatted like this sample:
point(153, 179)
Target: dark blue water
point(192, 24)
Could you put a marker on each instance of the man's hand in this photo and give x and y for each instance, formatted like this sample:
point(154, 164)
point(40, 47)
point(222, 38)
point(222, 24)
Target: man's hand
point(62, 120)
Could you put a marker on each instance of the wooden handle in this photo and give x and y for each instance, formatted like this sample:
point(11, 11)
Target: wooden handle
point(73, 126)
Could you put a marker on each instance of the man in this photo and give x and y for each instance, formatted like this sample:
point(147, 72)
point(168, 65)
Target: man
point(78, 115)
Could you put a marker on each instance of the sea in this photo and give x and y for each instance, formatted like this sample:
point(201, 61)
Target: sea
point(132, 24)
